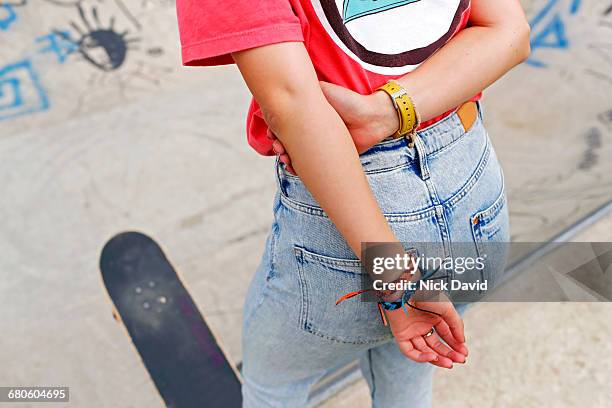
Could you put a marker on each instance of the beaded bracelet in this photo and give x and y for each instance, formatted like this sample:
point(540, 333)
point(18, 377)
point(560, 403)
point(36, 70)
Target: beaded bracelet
point(407, 294)
point(382, 306)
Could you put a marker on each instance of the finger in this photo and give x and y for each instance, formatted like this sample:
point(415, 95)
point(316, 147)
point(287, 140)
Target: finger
point(442, 349)
point(278, 147)
point(415, 355)
point(455, 323)
point(291, 170)
point(363, 148)
point(270, 135)
point(326, 86)
point(284, 158)
point(445, 333)
point(441, 360)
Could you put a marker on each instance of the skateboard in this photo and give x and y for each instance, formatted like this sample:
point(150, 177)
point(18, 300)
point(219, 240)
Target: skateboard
point(180, 352)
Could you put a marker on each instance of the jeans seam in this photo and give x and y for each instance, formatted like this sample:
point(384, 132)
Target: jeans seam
point(442, 149)
point(477, 227)
point(328, 260)
point(269, 275)
point(493, 210)
point(472, 180)
point(340, 341)
point(391, 217)
point(410, 162)
point(373, 390)
point(303, 323)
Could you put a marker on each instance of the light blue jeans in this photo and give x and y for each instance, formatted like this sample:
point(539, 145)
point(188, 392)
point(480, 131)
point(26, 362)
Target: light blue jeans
point(448, 188)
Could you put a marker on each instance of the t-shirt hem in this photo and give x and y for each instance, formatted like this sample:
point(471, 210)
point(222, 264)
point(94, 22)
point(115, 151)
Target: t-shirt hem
point(217, 51)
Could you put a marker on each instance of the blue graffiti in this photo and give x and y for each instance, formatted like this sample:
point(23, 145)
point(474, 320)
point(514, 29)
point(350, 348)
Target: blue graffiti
point(12, 88)
point(58, 43)
point(20, 91)
point(7, 17)
point(548, 29)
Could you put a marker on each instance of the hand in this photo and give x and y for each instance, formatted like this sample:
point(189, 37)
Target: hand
point(369, 118)
point(409, 332)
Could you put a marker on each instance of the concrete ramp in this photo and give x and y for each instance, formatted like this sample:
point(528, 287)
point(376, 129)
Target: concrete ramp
point(551, 119)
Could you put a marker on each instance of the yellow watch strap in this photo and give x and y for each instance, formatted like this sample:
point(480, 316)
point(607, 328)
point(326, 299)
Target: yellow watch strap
point(406, 112)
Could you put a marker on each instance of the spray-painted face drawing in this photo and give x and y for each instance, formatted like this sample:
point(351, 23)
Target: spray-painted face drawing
point(396, 34)
point(103, 47)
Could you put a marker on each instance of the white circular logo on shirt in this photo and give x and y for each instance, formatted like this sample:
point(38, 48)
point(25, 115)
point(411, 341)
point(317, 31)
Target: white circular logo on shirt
point(390, 36)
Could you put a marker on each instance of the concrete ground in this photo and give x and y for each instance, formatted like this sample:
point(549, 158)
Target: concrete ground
point(92, 144)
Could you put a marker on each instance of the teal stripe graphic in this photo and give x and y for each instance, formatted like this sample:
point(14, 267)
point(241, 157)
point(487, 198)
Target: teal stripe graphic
point(358, 8)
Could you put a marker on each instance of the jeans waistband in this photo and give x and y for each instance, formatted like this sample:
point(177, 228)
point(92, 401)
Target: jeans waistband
point(430, 140)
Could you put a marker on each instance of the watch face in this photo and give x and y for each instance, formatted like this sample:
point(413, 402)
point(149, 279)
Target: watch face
point(391, 35)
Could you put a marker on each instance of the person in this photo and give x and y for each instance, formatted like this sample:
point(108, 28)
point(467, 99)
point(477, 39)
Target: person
point(373, 107)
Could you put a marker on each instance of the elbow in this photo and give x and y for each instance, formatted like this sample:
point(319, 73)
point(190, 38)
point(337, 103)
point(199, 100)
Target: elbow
point(280, 107)
point(277, 103)
point(522, 35)
point(274, 118)
point(516, 35)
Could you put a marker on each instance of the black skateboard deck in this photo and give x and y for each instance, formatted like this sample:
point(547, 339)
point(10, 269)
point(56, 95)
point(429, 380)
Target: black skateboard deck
point(182, 355)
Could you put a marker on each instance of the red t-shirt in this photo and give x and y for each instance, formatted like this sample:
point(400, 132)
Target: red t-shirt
point(358, 44)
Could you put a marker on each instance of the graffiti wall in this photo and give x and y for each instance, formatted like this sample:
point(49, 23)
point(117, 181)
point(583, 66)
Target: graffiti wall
point(551, 118)
point(61, 58)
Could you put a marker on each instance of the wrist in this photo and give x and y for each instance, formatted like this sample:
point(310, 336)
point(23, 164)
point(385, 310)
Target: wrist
point(382, 114)
point(404, 286)
point(395, 317)
point(420, 97)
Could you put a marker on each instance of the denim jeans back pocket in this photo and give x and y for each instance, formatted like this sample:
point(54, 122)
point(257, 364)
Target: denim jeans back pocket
point(324, 279)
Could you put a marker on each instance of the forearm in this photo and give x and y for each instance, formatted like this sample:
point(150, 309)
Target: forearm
point(469, 63)
point(496, 41)
point(324, 156)
point(283, 81)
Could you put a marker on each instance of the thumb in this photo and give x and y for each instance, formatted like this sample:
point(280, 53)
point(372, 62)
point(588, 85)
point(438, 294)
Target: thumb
point(335, 92)
point(455, 323)
point(327, 88)
point(345, 101)
point(270, 135)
